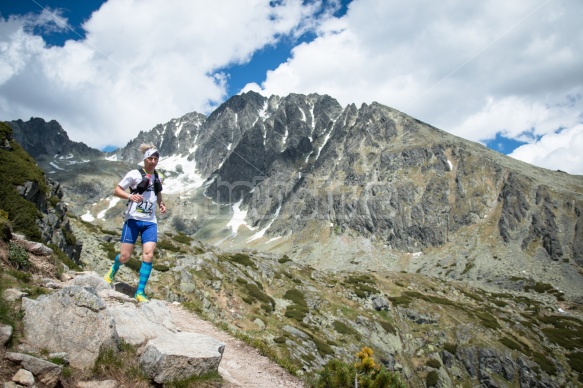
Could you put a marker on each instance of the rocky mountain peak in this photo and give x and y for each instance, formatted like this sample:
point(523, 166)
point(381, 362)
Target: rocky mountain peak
point(43, 140)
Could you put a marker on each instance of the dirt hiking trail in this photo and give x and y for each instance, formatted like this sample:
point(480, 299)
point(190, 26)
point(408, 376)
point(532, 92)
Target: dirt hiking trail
point(241, 365)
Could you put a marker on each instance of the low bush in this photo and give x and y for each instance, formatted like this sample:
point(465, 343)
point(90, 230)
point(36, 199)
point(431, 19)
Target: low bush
point(284, 259)
point(296, 296)
point(323, 348)
point(254, 292)
point(18, 256)
point(279, 340)
point(362, 285)
point(450, 347)
point(432, 379)
point(576, 361)
point(296, 312)
point(337, 373)
point(343, 328)
point(388, 327)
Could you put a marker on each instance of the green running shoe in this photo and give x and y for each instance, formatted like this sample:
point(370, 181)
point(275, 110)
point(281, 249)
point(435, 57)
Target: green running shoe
point(141, 297)
point(109, 275)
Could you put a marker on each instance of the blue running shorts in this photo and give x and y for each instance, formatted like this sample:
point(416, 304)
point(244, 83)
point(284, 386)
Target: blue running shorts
point(132, 228)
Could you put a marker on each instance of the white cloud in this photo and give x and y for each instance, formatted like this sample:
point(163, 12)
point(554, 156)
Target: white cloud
point(557, 151)
point(473, 68)
point(519, 118)
point(142, 63)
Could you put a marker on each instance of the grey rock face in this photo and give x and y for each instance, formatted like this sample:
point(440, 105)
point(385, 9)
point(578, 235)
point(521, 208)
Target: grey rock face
point(377, 172)
point(73, 320)
point(173, 138)
point(53, 224)
point(179, 356)
point(42, 139)
point(150, 317)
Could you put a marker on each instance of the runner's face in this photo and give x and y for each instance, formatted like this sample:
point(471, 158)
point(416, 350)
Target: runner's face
point(150, 163)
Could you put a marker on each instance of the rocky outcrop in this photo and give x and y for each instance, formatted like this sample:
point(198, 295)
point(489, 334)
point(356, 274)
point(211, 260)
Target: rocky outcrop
point(86, 317)
point(46, 372)
point(180, 356)
point(54, 225)
point(434, 332)
point(74, 320)
point(26, 184)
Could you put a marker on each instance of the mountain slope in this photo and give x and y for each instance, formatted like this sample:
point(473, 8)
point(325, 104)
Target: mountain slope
point(32, 202)
point(358, 188)
point(371, 187)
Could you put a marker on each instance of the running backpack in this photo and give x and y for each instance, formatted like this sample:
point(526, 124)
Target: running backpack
point(143, 185)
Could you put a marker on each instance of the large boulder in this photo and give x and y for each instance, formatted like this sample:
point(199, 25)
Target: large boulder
point(136, 324)
point(180, 356)
point(74, 320)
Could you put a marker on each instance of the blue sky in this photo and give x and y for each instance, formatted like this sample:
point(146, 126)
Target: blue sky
point(507, 75)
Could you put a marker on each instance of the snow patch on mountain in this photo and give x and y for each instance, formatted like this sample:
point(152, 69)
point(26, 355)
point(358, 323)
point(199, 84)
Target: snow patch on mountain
point(112, 202)
point(186, 178)
point(260, 234)
point(238, 218)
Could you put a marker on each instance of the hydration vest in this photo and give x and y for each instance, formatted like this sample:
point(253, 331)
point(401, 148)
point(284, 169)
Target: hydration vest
point(143, 185)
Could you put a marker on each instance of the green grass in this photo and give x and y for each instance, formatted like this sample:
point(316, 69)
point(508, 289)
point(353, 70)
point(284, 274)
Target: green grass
point(255, 293)
point(16, 168)
point(363, 285)
point(344, 329)
point(239, 258)
point(182, 238)
point(208, 380)
point(388, 327)
point(120, 364)
point(63, 258)
point(7, 314)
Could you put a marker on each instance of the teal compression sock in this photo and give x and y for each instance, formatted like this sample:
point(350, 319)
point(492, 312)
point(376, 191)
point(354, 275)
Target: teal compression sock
point(116, 264)
point(145, 271)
